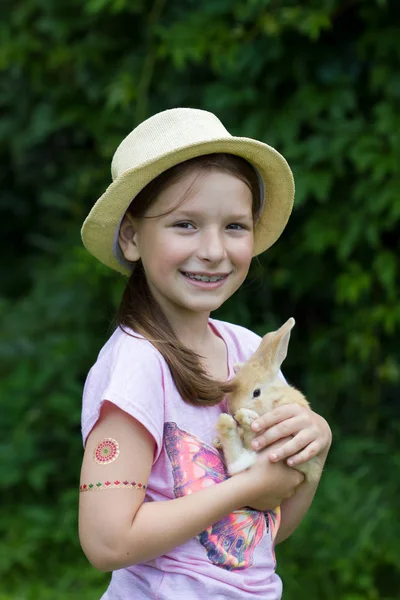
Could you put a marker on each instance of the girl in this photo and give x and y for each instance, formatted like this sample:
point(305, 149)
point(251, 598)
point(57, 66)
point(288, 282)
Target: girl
point(188, 208)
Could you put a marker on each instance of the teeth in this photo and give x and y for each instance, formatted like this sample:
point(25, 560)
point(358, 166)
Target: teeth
point(205, 278)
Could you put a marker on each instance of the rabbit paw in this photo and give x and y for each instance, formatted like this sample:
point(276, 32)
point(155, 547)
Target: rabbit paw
point(226, 424)
point(245, 417)
point(217, 443)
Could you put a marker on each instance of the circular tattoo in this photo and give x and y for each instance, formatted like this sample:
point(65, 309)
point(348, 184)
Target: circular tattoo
point(106, 451)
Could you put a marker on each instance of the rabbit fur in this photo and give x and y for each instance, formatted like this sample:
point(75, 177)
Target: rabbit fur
point(259, 388)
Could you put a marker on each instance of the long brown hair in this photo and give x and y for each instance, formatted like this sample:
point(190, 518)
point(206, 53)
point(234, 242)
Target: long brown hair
point(142, 313)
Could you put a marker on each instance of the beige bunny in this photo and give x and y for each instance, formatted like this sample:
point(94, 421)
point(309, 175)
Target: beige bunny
point(258, 388)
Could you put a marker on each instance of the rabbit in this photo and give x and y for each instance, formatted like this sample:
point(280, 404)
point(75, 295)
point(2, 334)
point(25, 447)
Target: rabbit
point(259, 387)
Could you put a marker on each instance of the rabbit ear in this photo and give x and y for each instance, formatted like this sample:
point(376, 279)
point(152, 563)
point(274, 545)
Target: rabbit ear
point(281, 341)
point(237, 367)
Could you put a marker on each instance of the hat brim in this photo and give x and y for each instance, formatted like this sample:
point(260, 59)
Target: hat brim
point(101, 226)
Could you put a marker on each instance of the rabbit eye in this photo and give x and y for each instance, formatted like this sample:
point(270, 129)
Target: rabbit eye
point(256, 393)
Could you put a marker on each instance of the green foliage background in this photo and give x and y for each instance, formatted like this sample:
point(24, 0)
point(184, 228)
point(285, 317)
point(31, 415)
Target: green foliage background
point(320, 81)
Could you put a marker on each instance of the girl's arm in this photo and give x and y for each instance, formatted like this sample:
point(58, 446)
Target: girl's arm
point(117, 529)
point(293, 509)
point(306, 434)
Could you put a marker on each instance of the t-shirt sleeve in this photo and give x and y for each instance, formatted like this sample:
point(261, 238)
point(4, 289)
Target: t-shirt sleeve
point(130, 375)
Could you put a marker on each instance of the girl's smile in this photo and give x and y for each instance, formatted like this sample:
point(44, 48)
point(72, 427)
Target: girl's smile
point(206, 280)
point(195, 253)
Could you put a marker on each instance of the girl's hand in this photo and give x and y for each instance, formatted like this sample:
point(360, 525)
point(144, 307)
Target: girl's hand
point(268, 484)
point(309, 434)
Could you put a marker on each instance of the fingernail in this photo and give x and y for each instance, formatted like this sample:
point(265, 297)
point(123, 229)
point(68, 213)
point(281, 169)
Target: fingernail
point(274, 457)
point(256, 445)
point(256, 426)
point(290, 461)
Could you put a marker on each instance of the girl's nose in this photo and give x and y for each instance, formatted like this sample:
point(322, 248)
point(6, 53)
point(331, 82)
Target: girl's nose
point(212, 246)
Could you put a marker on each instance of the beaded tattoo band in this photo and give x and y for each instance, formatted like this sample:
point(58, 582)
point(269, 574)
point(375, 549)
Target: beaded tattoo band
point(105, 453)
point(92, 487)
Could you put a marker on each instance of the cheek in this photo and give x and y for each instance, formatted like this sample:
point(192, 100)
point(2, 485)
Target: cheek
point(243, 253)
point(169, 253)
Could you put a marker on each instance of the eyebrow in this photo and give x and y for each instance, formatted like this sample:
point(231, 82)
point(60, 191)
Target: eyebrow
point(194, 213)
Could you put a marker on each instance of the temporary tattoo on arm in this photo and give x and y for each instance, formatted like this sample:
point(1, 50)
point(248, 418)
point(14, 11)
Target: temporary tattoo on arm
point(89, 487)
point(106, 451)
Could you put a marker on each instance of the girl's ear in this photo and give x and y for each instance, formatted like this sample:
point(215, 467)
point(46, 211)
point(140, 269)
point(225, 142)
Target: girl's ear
point(127, 239)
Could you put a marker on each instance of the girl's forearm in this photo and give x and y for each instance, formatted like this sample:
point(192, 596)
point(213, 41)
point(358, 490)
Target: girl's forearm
point(158, 527)
point(294, 508)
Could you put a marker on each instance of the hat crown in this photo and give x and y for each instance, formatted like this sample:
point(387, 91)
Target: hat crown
point(164, 133)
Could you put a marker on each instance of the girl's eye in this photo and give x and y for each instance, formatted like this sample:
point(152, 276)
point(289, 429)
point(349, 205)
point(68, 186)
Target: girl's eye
point(184, 225)
point(236, 226)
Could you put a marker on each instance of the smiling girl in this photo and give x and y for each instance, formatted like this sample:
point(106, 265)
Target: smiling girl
point(189, 207)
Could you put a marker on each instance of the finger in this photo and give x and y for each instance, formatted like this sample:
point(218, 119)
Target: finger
point(275, 416)
point(302, 457)
point(294, 446)
point(282, 429)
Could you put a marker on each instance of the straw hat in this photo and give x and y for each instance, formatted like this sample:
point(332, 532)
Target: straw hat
point(161, 142)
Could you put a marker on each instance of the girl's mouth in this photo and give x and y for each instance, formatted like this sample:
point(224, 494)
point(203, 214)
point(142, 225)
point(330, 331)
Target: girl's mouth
point(205, 281)
point(205, 278)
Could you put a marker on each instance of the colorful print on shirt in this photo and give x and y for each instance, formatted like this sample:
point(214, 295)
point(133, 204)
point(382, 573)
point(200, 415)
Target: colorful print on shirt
point(229, 543)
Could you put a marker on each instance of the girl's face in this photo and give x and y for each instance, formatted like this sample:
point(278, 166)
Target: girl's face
point(196, 256)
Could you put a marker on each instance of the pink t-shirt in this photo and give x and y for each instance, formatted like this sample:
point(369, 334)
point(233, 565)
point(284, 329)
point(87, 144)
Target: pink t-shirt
point(234, 558)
